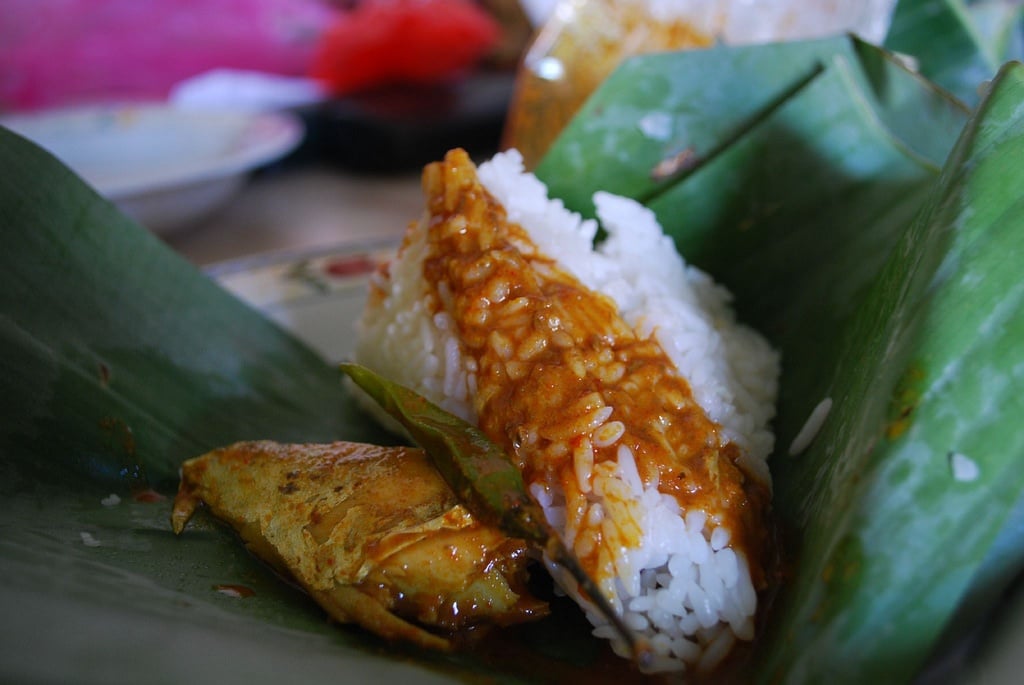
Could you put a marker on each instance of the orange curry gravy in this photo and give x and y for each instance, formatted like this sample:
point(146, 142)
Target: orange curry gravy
point(551, 353)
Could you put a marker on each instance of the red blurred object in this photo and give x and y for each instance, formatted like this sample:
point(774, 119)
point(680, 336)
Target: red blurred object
point(381, 42)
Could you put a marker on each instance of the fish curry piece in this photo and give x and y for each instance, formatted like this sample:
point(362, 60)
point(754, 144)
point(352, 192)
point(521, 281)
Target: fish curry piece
point(373, 534)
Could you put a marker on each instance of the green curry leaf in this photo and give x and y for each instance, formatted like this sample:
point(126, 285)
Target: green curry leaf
point(484, 477)
point(479, 471)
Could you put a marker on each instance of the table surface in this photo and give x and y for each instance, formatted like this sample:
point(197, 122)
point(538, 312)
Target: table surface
point(300, 207)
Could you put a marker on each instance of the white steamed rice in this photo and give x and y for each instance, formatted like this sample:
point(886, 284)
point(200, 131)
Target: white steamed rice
point(684, 588)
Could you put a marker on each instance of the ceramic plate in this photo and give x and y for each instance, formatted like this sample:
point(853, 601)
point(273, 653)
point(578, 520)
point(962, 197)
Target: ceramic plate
point(165, 167)
point(316, 295)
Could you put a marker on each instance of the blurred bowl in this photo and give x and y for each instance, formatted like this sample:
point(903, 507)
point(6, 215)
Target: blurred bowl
point(165, 167)
point(400, 128)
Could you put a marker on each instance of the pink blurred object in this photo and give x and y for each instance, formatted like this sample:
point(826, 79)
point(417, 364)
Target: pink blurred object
point(63, 52)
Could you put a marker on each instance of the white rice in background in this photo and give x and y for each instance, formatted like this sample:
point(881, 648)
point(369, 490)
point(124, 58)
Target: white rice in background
point(684, 588)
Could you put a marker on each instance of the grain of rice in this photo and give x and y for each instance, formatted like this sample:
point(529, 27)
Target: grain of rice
point(499, 291)
point(609, 433)
point(963, 467)
point(725, 562)
point(689, 623)
point(702, 607)
point(611, 374)
point(744, 629)
point(695, 520)
point(602, 415)
point(627, 468)
point(561, 339)
point(700, 550)
point(532, 346)
point(577, 425)
point(559, 449)
point(583, 462)
point(686, 650)
point(593, 400)
point(719, 538)
point(641, 603)
point(595, 514)
point(805, 436)
point(480, 270)
point(716, 651)
point(584, 545)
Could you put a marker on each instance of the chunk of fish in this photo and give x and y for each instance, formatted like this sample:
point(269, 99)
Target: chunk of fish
point(373, 534)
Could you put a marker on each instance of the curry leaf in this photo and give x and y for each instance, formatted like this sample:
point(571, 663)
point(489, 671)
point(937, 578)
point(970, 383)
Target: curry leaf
point(479, 471)
point(485, 479)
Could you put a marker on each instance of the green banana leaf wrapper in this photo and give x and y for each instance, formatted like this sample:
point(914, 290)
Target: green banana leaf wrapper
point(868, 223)
point(897, 300)
point(958, 44)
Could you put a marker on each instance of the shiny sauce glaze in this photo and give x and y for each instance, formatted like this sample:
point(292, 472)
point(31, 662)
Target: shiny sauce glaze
point(562, 381)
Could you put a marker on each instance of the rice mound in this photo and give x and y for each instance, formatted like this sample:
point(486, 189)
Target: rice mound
point(684, 588)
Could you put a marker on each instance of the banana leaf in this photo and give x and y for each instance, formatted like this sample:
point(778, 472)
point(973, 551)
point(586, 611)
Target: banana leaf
point(890, 287)
point(118, 360)
point(956, 43)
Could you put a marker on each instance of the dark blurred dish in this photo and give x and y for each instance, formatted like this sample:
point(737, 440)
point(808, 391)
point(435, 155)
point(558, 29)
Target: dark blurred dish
point(403, 127)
